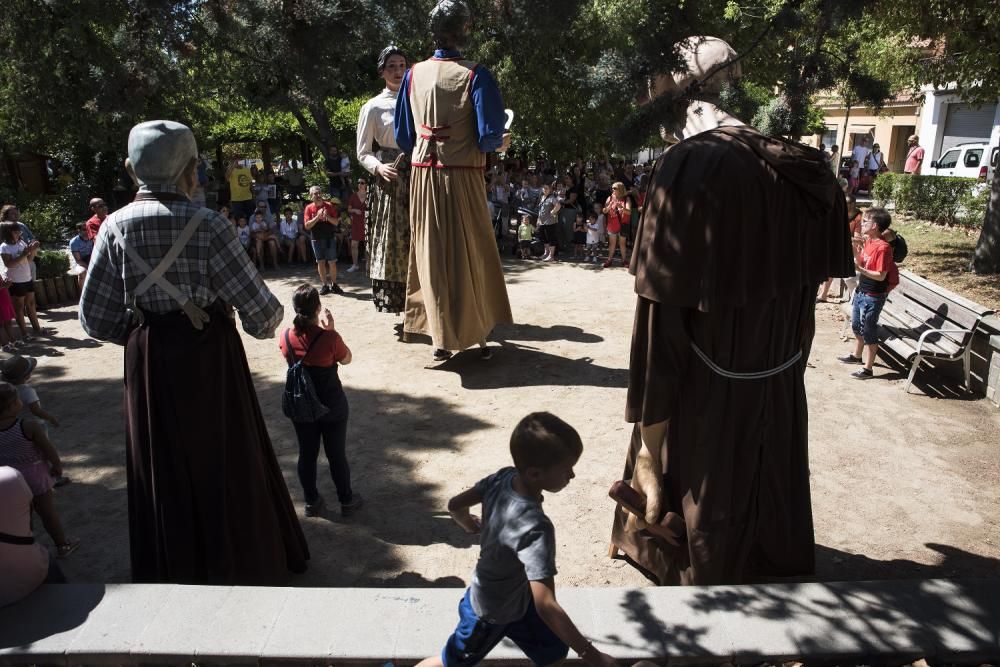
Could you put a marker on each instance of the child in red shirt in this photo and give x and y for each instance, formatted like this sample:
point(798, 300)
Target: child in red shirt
point(877, 276)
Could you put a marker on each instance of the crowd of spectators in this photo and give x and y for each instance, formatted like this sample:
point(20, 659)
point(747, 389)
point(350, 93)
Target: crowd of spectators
point(576, 210)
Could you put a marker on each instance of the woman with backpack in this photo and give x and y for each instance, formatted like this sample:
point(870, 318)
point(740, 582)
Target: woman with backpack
point(315, 399)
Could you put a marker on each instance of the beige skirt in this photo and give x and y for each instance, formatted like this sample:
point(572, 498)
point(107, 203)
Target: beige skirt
point(455, 290)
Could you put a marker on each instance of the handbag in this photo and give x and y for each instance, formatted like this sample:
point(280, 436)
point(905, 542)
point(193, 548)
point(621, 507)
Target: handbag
point(300, 402)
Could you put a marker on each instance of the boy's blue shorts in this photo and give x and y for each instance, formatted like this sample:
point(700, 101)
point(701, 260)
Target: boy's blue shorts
point(474, 638)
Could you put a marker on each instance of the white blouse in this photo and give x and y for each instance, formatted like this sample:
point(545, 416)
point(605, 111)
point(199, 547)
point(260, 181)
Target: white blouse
point(375, 124)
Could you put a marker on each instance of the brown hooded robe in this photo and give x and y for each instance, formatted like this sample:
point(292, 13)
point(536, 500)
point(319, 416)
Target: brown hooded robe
point(737, 232)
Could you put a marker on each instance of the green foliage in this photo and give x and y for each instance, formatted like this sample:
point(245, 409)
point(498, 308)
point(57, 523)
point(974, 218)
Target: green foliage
point(51, 218)
point(51, 263)
point(943, 199)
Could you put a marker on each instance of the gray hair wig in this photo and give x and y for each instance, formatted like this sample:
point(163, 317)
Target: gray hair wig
point(449, 24)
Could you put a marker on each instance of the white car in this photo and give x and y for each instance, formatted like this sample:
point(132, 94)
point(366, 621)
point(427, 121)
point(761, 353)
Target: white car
point(966, 161)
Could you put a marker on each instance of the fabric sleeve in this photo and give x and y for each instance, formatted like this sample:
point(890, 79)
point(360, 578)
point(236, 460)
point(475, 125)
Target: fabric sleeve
point(103, 313)
point(28, 394)
point(879, 259)
point(339, 350)
point(661, 352)
point(366, 137)
point(235, 279)
point(537, 551)
point(404, 129)
point(490, 114)
point(483, 485)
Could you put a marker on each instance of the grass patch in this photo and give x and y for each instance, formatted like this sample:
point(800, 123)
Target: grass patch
point(941, 254)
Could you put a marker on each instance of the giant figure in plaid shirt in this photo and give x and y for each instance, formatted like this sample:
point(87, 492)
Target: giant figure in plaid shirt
point(207, 501)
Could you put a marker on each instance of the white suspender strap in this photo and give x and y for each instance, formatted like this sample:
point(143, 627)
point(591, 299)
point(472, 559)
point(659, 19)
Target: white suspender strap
point(156, 277)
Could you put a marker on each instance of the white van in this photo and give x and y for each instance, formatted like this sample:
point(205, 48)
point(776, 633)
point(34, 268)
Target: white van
point(966, 161)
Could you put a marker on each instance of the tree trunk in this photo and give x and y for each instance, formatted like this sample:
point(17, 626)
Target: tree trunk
point(265, 149)
point(843, 142)
point(986, 259)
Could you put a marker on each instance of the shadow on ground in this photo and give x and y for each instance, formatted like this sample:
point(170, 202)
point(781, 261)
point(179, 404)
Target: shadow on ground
point(516, 365)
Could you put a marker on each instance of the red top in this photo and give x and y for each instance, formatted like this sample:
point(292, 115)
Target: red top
point(876, 255)
point(94, 225)
point(329, 350)
point(357, 219)
point(617, 214)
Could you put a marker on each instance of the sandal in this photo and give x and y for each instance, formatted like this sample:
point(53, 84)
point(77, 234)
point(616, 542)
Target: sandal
point(64, 550)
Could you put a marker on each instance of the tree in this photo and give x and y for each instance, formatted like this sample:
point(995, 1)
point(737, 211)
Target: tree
point(295, 56)
point(968, 57)
point(76, 76)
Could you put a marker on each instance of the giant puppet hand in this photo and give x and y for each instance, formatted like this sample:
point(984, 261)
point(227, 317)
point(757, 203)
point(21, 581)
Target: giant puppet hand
point(647, 478)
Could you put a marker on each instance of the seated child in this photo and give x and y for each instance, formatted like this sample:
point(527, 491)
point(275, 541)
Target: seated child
point(513, 586)
point(263, 238)
point(25, 447)
point(292, 238)
point(243, 232)
point(525, 233)
point(82, 247)
point(17, 371)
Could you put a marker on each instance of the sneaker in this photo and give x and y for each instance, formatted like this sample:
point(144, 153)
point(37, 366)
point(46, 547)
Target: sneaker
point(315, 508)
point(336, 289)
point(863, 374)
point(325, 289)
point(606, 265)
point(441, 355)
point(485, 353)
point(61, 480)
point(849, 359)
point(352, 269)
point(357, 502)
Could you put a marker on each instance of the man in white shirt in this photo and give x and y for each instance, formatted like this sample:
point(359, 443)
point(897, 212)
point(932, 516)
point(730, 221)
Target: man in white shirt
point(860, 153)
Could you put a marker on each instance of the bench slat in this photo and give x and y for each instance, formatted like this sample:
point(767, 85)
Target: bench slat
point(942, 292)
point(936, 305)
point(907, 327)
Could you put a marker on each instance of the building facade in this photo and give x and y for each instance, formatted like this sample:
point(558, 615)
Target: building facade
point(939, 117)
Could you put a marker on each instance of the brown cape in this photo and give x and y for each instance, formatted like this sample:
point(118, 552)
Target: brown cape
point(737, 233)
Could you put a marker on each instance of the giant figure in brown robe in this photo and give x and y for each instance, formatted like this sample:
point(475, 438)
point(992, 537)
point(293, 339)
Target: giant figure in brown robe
point(737, 232)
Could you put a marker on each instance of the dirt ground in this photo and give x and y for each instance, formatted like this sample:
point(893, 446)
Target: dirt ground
point(903, 485)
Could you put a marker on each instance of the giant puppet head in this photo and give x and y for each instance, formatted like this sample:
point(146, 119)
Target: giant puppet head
point(450, 23)
point(711, 64)
point(162, 152)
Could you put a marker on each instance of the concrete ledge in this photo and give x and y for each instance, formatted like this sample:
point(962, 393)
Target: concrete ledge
point(944, 621)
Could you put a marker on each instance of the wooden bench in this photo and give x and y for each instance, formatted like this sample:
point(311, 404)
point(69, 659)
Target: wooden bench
point(922, 320)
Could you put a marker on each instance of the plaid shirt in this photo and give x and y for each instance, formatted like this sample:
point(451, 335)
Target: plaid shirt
point(213, 266)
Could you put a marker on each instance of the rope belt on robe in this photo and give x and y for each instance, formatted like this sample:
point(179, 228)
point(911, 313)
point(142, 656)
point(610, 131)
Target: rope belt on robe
point(758, 375)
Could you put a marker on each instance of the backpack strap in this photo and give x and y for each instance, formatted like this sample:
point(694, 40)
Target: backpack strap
point(290, 353)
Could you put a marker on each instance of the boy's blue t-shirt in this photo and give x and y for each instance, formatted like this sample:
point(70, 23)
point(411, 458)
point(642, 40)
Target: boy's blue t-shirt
point(517, 545)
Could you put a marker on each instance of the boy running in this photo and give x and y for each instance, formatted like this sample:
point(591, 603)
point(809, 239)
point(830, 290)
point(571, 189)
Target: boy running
point(513, 587)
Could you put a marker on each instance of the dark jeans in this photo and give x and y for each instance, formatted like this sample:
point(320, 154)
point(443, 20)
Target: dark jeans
point(334, 436)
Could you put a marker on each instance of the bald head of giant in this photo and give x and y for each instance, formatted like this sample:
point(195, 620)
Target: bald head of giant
point(162, 152)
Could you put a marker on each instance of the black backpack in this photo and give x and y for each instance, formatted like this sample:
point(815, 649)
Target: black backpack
point(300, 403)
point(899, 249)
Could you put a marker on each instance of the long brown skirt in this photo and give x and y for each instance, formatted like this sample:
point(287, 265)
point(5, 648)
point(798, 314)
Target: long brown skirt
point(207, 501)
point(455, 289)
